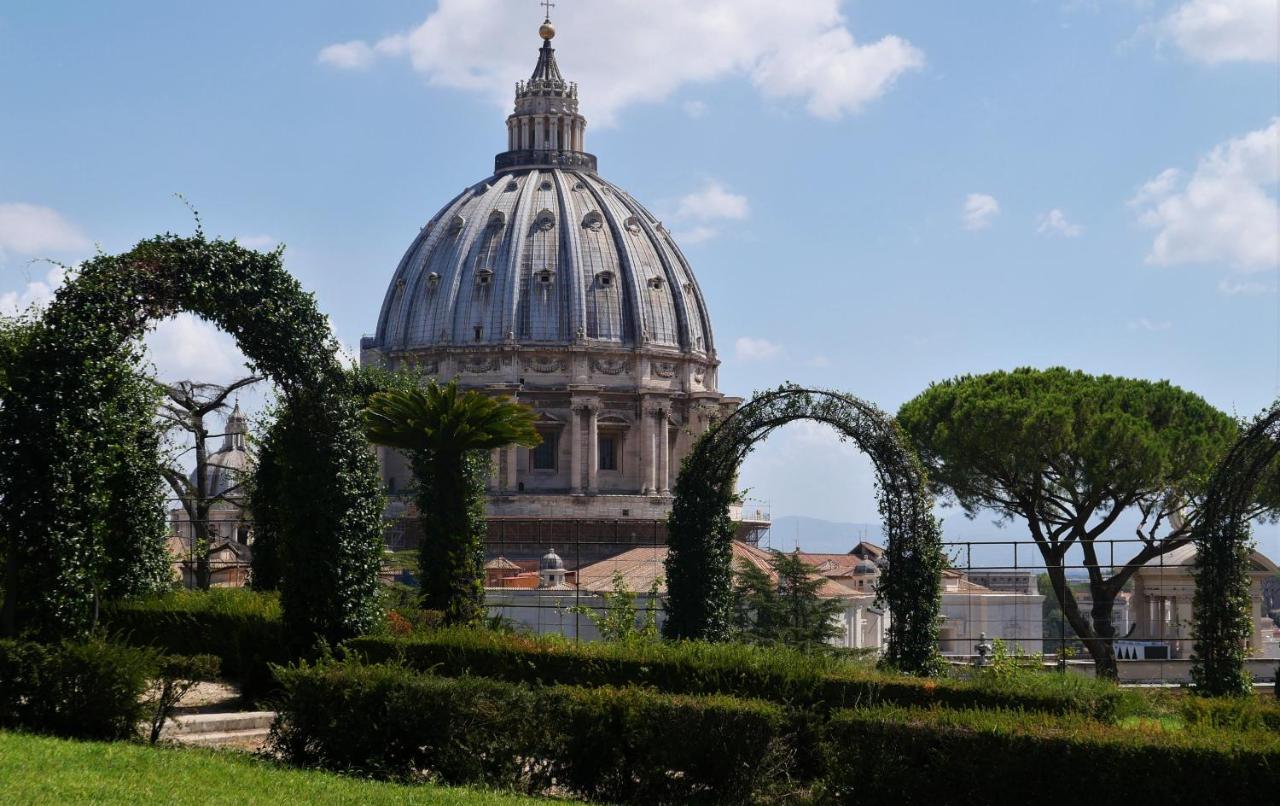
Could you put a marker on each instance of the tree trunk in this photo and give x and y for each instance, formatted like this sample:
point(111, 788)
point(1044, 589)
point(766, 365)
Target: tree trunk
point(1097, 642)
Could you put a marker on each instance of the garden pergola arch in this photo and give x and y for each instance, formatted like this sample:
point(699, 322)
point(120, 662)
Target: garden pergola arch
point(53, 491)
point(699, 573)
point(1223, 600)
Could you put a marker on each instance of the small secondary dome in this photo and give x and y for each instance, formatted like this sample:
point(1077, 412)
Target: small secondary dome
point(551, 562)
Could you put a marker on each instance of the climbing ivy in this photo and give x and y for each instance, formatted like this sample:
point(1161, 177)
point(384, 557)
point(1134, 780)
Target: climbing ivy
point(699, 575)
point(1238, 491)
point(67, 420)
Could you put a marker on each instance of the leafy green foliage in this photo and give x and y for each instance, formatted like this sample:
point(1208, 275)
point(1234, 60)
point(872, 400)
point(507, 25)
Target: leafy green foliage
point(816, 680)
point(83, 689)
point(1223, 599)
point(914, 755)
point(620, 620)
point(1068, 453)
point(699, 574)
point(616, 745)
point(447, 433)
point(71, 437)
point(788, 610)
point(243, 629)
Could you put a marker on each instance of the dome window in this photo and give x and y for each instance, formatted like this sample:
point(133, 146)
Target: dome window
point(433, 281)
point(456, 225)
point(605, 279)
point(655, 283)
point(546, 185)
point(546, 221)
point(513, 186)
point(578, 187)
point(545, 276)
point(593, 221)
point(497, 219)
point(479, 332)
point(633, 225)
point(484, 277)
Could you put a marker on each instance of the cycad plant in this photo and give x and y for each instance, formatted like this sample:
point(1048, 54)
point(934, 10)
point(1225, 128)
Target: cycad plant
point(447, 434)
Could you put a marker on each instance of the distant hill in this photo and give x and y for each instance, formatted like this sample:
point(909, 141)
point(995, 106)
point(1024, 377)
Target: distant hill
point(817, 535)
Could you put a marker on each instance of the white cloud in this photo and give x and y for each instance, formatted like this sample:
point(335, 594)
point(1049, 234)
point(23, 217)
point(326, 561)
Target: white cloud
point(979, 211)
point(806, 53)
point(354, 55)
point(713, 202)
point(37, 293)
point(749, 349)
point(186, 347)
point(695, 109)
point(1150, 326)
point(1055, 222)
point(699, 234)
point(1246, 288)
point(1215, 31)
point(1226, 212)
point(30, 229)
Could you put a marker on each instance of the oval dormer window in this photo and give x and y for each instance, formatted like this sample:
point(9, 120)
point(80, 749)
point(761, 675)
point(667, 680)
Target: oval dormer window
point(605, 279)
point(593, 221)
point(433, 281)
point(484, 277)
point(656, 283)
point(633, 225)
point(546, 221)
point(497, 219)
point(578, 187)
point(546, 185)
point(456, 225)
point(544, 277)
point(513, 186)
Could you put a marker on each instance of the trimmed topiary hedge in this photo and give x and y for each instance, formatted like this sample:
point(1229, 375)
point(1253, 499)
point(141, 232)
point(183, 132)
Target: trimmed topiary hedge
point(637, 745)
point(79, 689)
point(242, 628)
point(935, 756)
point(605, 743)
point(698, 668)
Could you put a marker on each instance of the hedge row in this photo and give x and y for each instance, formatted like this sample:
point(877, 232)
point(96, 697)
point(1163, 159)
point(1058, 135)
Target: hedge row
point(781, 675)
point(244, 630)
point(636, 745)
point(938, 756)
point(603, 743)
point(85, 690)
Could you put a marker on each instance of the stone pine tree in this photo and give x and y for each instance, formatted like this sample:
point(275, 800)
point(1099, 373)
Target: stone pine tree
point(186, 406)
point(447, 434)
point(1069, 454)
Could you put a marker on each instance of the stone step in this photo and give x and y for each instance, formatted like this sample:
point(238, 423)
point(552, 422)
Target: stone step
point(252, 740)
point(199, 724)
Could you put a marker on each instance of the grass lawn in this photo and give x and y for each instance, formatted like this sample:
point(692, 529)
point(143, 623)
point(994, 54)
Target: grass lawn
point(40, 770)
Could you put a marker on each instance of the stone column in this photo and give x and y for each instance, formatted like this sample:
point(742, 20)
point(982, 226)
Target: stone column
point(857, 628)
point(511, 469)
point(664, 453)
point(575, 449)
point(592, 410)
point(647, 458)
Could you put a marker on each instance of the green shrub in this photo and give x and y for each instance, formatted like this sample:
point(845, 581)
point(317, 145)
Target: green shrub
point(83, 689)
point(904, 755)
point(1231, 713)
point(786, 676)
point(615, 744)
point(242, 628)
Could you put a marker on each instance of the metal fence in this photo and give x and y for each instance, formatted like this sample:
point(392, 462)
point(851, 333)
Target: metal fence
point(551, 575)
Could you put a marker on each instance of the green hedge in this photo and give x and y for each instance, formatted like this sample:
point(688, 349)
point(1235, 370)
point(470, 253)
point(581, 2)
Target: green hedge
point(777, 674)
point(604, 743)
point(84, 689)
point(242, 628)
point(937, 756)
point(638, 745)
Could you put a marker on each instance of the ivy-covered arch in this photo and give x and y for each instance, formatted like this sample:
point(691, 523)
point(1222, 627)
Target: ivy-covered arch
point(61, 498)
point(1222, 600)
point(699, 572)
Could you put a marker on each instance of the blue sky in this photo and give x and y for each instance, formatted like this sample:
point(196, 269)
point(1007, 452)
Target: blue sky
point(873, 195)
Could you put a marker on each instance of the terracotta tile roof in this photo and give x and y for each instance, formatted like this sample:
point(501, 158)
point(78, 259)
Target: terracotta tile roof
point(501, 564)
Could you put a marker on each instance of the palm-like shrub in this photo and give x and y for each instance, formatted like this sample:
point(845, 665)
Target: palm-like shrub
point(447, 434)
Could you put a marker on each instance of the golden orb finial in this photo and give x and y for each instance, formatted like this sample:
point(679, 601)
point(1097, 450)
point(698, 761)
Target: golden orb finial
point(547, 31)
